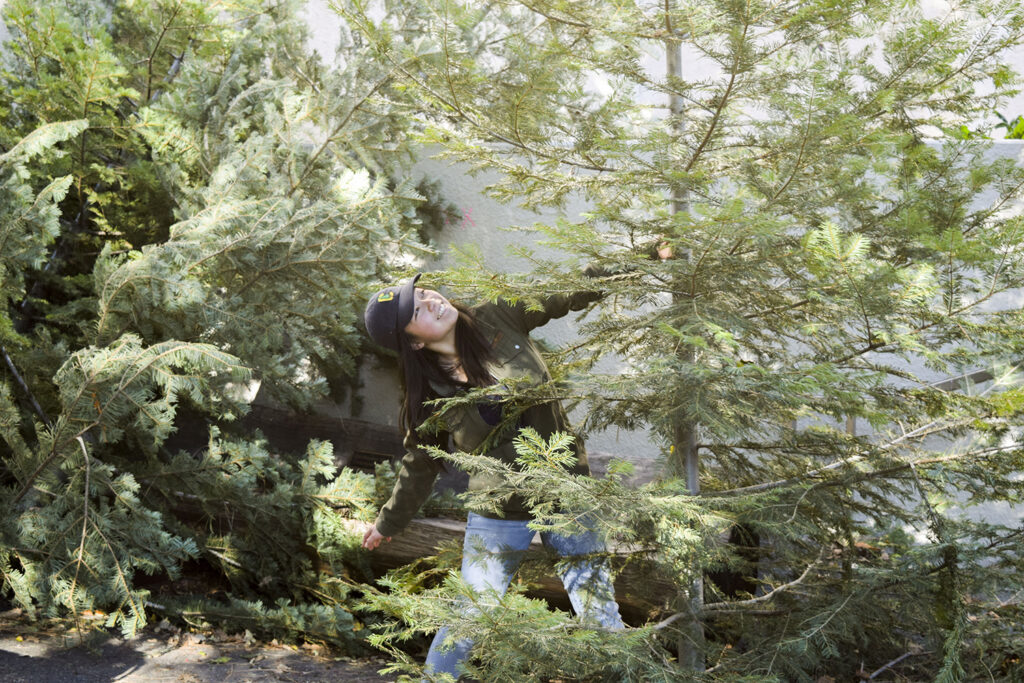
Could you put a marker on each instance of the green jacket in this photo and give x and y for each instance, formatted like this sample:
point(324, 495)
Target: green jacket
point(515, 357)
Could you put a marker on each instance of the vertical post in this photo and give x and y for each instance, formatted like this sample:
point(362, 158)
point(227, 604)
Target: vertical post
point(685, 458)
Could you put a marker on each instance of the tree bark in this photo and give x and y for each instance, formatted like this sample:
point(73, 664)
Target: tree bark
point(640, 594)
point(685, 458)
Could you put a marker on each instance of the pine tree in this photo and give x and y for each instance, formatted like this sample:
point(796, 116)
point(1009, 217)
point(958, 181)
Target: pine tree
point(192, 202)
point(835, 255)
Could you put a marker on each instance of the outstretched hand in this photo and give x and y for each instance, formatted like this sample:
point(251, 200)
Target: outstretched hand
point(373, 538)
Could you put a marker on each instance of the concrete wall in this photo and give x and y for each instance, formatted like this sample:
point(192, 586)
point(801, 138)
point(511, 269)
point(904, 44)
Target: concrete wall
point(484, 222)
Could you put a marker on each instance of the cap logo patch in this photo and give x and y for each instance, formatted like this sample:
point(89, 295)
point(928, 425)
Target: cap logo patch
point(385, 296)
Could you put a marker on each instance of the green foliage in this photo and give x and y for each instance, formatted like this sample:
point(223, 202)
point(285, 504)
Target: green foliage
point(1014, 128)
point(275, 529)
point(77, 529)
point(547, 643)
point(828, 612)
point(31, 217)
point(311, 622)
point(56, 69)
point(193, 206)
point(834, 259)
point(191, 202)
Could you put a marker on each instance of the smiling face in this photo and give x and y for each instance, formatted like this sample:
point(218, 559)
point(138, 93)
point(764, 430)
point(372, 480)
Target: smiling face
point(433, 322)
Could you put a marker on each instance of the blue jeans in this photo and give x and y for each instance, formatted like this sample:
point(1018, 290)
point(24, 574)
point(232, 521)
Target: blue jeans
point(492, 551)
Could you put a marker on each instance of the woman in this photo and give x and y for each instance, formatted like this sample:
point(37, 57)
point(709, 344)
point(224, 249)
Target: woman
point(443, 349)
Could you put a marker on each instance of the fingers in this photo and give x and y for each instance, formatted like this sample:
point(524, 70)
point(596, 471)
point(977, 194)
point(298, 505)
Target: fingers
point(372, 538)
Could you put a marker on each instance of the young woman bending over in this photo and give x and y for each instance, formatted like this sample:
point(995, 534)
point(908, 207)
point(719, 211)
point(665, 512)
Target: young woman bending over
point(444, 348)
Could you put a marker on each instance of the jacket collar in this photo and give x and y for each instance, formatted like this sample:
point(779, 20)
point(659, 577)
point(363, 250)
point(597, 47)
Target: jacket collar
point(443, 390)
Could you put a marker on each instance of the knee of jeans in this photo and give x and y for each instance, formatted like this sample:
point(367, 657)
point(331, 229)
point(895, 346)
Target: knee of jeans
point(487, 573)
point(582, 543)
point(592, 588)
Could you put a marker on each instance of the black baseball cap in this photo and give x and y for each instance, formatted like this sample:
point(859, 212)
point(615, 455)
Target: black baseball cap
point(389, 311)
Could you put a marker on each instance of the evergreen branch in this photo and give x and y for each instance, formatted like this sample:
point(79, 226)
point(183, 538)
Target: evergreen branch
point(553, 18)
point(968, 59)
point(86, 101)
point(996, 207)
point(54, 452)
point(337, 131)
point(928, 184)
point(739, 605)
point(716, 117)
point(243, 237)
point(42, 138)
point(24, 387)
point(779, 309)
point(874, 346)
point(294, 68)
point(820, 627)
point(106, 310)
point(224, 558)
point(138, 610)
point(896, 76)
point(896, 661)
point(847, 462)
point(126, 382)
point(803, 39)
point(85, 527)
point(156, 46)
point(868, 334)
point(871, 346)
point(498, 137)
point(800, 153)
point(936, 521)
point(950, 273)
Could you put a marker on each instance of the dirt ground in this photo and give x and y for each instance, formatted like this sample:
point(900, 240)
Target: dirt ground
point(46, 652)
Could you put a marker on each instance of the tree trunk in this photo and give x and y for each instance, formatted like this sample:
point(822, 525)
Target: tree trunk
point(640, 593)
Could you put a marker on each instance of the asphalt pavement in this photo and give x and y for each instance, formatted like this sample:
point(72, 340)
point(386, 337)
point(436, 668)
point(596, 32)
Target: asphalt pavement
point(47, 652)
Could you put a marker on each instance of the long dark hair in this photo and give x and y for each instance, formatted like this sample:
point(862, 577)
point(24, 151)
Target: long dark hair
point(421, 367)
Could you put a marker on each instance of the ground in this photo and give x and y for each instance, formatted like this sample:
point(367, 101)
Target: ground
point(48, 652)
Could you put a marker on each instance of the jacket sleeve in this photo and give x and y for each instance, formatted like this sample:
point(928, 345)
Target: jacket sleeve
point(414, 484)
point(559, 305)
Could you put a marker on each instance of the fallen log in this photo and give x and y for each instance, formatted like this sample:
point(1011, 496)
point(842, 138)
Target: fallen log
point(640, 594)
point(360, 444)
